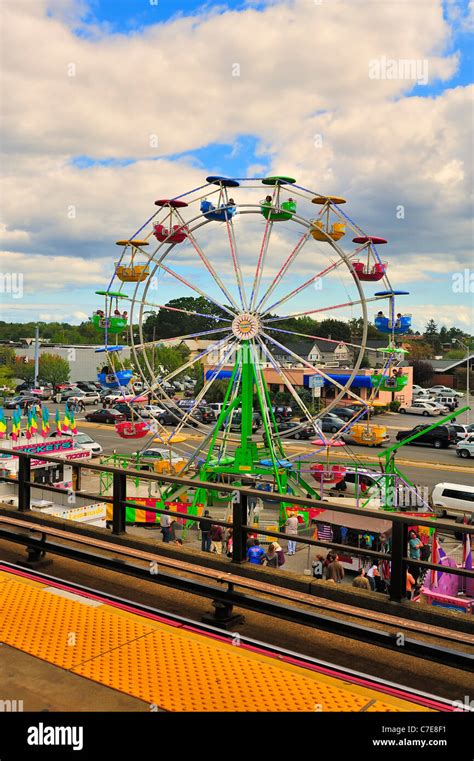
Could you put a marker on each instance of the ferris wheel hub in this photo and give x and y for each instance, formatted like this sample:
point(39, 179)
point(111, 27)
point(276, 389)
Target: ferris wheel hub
point(246, 326)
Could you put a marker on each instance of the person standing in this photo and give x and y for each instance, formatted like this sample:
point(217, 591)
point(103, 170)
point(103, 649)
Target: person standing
point(271, 556)
point(291, 527)
point(361, 581)
point(334, 570)
point(370, 573)
point(255, 554)
point(204, 528)
point(216, 535)
point(410, 584)
point(165, 522)
point(414, 551)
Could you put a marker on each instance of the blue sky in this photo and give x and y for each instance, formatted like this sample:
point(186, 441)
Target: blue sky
point(82, 142)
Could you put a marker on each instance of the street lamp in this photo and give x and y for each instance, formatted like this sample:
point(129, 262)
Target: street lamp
point(468, 354)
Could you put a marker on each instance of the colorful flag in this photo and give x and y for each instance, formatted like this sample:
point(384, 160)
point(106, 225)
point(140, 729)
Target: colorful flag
point(33, 421)
point(3, 423)
point(45, 426)
point(16, 424)
point(67, 419)
point(58, 421)
point(72, 421)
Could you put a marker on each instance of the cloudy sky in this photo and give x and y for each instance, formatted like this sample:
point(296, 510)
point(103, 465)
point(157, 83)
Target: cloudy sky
point(110, 104)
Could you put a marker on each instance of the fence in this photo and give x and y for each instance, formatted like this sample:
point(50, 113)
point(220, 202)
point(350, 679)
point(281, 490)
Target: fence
point(241, 529)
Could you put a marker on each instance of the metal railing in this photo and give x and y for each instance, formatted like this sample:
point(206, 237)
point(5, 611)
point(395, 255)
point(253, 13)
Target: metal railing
point(399, 561)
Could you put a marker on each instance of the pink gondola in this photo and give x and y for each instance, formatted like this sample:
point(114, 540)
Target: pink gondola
point(131, 430)
point(332, 474)
point(370, 274)
point(176, 235)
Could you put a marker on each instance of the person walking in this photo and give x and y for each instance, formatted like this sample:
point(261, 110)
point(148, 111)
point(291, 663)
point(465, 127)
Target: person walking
point(165, 522)
point(81, 405)
point(204, 528)
point(255, 554)
point(361, 581)
point(291, 528)
point(216, 535)
point(334, 570)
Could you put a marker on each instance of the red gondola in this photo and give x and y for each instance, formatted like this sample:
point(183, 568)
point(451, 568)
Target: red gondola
point(176, 235)
point(131, 430)
point(372, 274)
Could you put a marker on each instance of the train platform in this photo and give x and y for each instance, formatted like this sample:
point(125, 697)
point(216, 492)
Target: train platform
point(167, 663)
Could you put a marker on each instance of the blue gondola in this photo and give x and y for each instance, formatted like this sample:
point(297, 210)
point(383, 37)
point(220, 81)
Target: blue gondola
point(221, 214)
point(400, 325)
point(118, 379)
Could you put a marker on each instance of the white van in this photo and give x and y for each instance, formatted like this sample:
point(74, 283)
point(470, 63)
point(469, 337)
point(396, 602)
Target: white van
point(453, 499)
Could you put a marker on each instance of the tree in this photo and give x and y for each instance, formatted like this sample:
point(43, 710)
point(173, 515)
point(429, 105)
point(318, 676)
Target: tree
point(24, 369)
point(53, 369)
point(170, 324)
point(422, 371)
point(419, 350)
point(7, 356)
point(432, 336)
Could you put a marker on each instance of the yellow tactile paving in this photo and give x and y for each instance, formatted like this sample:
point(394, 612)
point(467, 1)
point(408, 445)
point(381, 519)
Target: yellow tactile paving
point(166, 666)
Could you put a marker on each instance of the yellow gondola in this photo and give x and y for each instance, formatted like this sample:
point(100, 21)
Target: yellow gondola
point(322, 229)
point(132, 273)
point(369, 435)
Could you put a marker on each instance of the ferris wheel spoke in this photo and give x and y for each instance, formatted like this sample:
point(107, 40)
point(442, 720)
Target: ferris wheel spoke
point(290, 388)
point(272, 434)
point(260, 262)
point(321, 309)
point(212, 271)
point(317, 370)
point(236, 263)
point(303, 286)
point(194, 288)
point(207, 384)
point(185, 311)
point(182, 338)
point(287, 264)
point(216, 346)
point(320, 338)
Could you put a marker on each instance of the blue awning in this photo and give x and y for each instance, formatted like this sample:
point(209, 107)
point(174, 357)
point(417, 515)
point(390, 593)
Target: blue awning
point(360, 381)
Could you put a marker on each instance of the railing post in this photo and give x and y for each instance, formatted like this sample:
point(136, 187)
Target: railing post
point(24, 477)
point(239, 537)
point(398, 574)
point(119, 494)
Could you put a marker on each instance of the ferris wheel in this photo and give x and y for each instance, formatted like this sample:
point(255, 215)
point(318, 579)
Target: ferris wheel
point(258, 252)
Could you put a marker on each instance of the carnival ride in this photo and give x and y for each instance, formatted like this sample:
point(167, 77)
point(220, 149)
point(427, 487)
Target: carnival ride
point(246, 340)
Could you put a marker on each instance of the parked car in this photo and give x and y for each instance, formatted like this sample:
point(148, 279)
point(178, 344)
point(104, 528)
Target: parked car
point(235, 424)
point(439, 389)
point(40, 392)
point(439, 437)
point(462, 431)
point(148, 457)
point(20, 401)
point(216, 406)
point(330, 423)
point(109, 397)
point(453, 499)
point(419, 408)
point(105, 416)
point(465, 447)
point(417, 390)
point(443, 409)
point(83, 440)
point(451, 402)
point(151, 410)
point(308, 431)
point(282, 412)
point(173, 418)
point(124, 409)
point(187, 403)
point(345, 413)
point(204, 414)
point(86, 386)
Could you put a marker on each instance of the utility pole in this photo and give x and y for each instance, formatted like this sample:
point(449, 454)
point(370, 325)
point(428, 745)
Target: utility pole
point(36, 356)
point(468, 355)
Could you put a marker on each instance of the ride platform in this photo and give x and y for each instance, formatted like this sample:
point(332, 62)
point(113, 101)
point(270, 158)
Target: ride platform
point(172, 663)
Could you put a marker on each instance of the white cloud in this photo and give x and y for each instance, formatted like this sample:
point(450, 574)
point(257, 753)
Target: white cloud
point(303, 92)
